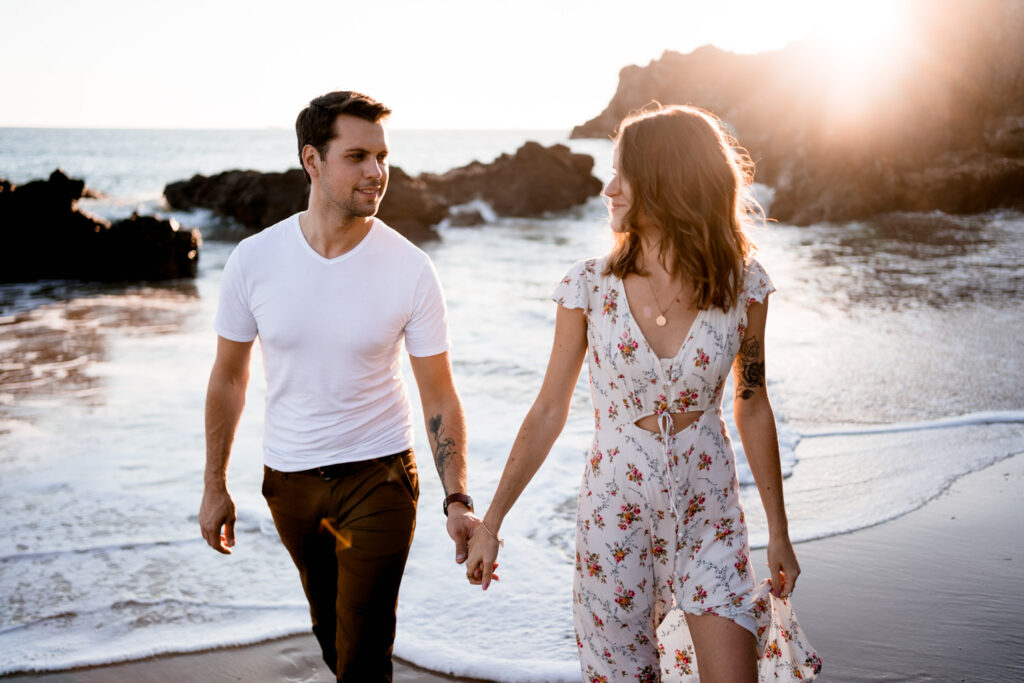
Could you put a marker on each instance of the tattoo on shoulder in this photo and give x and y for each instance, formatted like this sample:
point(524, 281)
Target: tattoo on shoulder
point(751, 375)
point(444, 447)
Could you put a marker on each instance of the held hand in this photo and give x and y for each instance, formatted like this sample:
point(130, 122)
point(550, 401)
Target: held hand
point(461, 525)
point(218, 511)
point(782, 566)
point(483, 551)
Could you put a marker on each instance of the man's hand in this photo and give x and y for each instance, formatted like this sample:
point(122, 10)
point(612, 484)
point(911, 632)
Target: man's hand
point(217, 511)
point(461, 525)
point(225, 398)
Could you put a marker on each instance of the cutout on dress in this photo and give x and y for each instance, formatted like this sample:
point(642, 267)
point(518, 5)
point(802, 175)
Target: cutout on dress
point(680, 421)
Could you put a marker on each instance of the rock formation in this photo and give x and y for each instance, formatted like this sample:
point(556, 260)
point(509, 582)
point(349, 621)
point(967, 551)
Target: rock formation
point(534, 180)
point(939, 124)
point(46, 236)
point(252, 198)
point(410, 208)
point(257, 200)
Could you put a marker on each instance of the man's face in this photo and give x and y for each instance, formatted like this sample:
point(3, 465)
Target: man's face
point(353, 173)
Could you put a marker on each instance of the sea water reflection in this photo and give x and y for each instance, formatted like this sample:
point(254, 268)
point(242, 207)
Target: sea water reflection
point(51, 334)
point(907, 318)
point(902, 261)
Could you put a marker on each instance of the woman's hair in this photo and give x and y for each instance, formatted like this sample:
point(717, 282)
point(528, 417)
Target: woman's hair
point(687, 177)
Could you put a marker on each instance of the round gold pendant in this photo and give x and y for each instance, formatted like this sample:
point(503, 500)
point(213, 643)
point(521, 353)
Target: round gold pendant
point(661, 321)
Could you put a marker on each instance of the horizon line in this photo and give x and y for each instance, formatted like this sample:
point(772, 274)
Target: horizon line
point(282, 128)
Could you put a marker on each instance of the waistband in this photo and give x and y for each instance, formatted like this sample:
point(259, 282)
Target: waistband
point(339, 470)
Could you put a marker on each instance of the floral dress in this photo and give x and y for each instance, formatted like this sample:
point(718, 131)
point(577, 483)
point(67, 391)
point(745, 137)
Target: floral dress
point(660, 529)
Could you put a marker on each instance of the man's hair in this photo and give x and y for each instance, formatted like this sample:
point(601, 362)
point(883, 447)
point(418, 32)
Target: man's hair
point(315, 124)
point(688, 177)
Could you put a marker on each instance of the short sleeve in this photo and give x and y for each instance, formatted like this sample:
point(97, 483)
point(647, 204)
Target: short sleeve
point(234, 320)
point(426, 333)
point(575, 288)
point(756, 284)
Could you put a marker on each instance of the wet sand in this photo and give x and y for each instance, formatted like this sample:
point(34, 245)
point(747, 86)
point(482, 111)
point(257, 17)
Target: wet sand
point(295, 659)
point(932, 596)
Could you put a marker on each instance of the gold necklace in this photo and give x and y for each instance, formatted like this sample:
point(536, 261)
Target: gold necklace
point(661, 320)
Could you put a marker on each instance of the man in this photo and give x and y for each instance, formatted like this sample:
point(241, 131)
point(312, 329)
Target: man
point(333, 293)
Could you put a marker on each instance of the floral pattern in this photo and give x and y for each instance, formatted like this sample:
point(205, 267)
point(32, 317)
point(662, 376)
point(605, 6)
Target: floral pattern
point(676, 541)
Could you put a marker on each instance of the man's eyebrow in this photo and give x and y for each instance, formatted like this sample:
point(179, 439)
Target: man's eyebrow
point(349, 150)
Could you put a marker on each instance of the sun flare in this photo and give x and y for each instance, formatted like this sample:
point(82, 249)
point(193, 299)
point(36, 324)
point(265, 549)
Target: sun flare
point(863, 50)
point(863, 31)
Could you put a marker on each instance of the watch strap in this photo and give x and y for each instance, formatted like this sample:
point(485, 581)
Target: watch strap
point(463, 498)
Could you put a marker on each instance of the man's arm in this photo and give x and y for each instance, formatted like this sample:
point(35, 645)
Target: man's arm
point(225, 398)
point(446, 430)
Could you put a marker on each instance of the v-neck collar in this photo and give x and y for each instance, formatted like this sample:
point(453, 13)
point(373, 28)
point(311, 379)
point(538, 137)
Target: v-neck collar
point(308, 248)
point(640, 332)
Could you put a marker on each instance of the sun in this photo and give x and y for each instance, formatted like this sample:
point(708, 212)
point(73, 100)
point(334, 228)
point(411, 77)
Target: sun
point(863, 51)
point(866, 31)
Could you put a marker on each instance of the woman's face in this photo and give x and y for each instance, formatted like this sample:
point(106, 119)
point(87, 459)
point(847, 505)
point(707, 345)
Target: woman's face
point(620, 197)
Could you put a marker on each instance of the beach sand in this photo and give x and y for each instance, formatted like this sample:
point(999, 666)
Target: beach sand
point(936, 595)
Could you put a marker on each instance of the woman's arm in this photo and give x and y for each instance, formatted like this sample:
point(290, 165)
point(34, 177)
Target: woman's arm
point(541, 427)
point(756, 424)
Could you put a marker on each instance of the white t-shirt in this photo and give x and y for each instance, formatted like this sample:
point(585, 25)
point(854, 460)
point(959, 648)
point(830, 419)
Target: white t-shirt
point(331, 331)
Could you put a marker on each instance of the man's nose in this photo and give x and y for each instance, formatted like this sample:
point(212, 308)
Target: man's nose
point(375, 169)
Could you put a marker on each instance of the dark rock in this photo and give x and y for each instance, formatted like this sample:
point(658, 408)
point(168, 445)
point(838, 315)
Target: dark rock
point(46, 236)
point(149, 248)
point(410, 208)
point(531, 182)
point(1007, 136)
point(938, 126)
point(257, 200)
point(954, 183)
point(254, 199)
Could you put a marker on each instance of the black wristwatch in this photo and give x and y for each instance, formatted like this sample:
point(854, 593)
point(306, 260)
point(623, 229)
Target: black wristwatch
point(458, 498)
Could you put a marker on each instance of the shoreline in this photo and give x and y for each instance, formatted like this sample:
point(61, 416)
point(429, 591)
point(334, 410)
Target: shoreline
point(295, 659)
point(926, 596)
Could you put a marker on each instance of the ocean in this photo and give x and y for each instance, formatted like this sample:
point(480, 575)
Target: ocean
point(894, 365)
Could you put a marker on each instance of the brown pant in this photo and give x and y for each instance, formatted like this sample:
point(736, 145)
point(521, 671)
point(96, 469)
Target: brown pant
point(351, 580)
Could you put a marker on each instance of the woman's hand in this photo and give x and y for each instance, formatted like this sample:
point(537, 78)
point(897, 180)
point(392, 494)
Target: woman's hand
point(483, 551)
point(782, 565)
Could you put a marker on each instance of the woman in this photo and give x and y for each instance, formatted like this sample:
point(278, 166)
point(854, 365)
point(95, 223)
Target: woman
point(676, 304)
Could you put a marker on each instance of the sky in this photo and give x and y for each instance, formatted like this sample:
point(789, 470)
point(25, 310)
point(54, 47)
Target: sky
point(449, 64)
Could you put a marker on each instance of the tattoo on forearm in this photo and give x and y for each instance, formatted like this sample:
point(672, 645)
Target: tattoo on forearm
point(751, 374)
point(444, 447)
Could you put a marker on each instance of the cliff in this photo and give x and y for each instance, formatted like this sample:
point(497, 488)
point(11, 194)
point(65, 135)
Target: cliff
point(937, 123)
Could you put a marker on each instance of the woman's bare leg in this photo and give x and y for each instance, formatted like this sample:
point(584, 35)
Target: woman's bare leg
point(726, 652)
